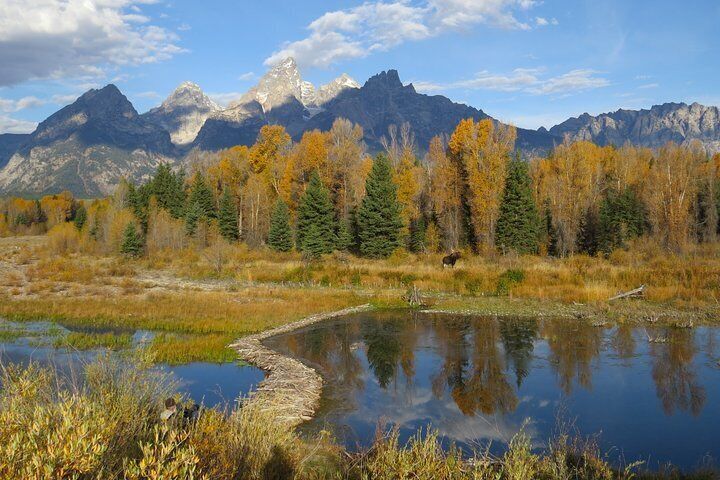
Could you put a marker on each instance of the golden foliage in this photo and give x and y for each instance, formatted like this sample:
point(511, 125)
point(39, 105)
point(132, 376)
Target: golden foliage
point(482, 148)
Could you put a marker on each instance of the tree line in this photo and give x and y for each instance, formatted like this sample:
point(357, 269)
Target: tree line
point(471, 190)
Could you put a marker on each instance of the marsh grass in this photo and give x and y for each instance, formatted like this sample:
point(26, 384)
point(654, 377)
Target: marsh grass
point(89, 341)
point(106, 424)
point(174, 349)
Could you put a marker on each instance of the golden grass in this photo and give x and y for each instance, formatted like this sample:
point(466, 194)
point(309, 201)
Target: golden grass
point(181, 292)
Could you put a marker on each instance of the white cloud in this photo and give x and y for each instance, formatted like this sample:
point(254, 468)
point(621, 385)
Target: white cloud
point(428, 87)
point(70, 38)
point(184, 27)
point(519, 79)
point(544, 22)
point(571, 82)
point(8, 105)
point(380, 25)
point(65, 99)
point(247, 76)
point(11, 125)
point(649, 85)
point(149, 94)
point(527, 80)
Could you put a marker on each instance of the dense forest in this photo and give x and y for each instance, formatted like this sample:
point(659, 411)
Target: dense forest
point(470, 191)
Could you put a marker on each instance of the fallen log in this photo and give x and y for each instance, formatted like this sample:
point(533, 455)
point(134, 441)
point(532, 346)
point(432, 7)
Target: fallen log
point(636, 292)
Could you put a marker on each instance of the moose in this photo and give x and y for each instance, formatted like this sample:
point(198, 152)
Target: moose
point(449, 260)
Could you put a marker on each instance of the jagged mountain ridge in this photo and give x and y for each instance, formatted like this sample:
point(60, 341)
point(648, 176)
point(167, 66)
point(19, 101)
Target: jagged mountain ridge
point(183, 113)
point(653, 128)
point(382, 101)
point(281, 96)
point(87, 147)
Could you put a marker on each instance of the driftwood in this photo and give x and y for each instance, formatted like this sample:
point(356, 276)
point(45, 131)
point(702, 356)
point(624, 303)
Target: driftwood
point(637, 292)
point(291, 389)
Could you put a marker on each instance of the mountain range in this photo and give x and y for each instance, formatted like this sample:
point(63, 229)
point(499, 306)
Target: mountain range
point(88, 146)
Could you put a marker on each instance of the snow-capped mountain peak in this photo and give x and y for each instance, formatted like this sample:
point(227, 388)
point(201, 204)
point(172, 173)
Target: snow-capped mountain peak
point(183, 113)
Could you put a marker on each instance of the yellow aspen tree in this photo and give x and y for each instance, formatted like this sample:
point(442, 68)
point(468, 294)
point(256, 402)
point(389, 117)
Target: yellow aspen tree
point(482, 148)
point(269, 154)
point(347, 157)
point(674, 186)
point(568, 182)
point(445, 192)
point(406, 177)
point(313, 155)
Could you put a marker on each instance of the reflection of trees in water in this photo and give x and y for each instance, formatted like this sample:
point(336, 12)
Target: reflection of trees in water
point(331, 350)
point(480, 386)
point(476, 355)
point(674, 374)
point(623, 341)
point(573, 347)
point(383, 345)
point(518, 337)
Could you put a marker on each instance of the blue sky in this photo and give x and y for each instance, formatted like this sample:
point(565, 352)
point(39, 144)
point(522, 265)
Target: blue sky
point(529, 62)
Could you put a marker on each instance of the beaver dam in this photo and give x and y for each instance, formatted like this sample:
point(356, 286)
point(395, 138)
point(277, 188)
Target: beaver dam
point(480, 380)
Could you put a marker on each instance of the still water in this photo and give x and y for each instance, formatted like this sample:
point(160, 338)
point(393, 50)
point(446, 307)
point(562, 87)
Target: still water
point(478, 381)
point(212, 384)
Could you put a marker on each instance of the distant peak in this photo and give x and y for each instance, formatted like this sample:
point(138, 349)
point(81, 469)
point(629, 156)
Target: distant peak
point(347, 81)
point(388, 79)
point(188, 85)
point(287, 64)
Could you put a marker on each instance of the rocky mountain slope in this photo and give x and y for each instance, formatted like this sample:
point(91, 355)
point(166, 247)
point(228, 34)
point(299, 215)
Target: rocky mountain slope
point(669, 122)
point(9, 144)
point(87, 147)
point(183, 113)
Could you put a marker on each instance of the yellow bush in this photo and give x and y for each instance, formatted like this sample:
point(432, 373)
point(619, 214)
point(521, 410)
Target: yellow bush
point(63, 238)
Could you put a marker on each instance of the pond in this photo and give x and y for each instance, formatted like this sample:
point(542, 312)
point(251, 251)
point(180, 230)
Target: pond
point(479, 381)
point(213, 384)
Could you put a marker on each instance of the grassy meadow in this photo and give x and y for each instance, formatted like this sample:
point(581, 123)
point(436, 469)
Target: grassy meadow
point(198, 309)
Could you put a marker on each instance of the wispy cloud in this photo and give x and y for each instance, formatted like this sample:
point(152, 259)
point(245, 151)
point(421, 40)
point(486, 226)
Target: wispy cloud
point(527, 80)
point(247, 76)
point(381, 25)
point(9, 106)
point(544, 22)
point(223, 99)
point(11, 125)
point(649, 85)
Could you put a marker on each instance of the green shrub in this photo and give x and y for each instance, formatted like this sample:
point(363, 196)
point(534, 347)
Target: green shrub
point(507, 280)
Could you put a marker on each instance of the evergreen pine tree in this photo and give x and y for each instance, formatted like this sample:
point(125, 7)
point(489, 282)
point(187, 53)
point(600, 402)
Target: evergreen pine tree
point(518, 224)
point(132, 245)
point(379, 221)
point(316, 211)
point(202, 195)
point(417, 235)
point(228, 217)
point(622, 217)
point(193, 214)
point(137, 200)
point(280, 235)
point(39, 214)
point(344, 236)
point(169, 189)
point(80, 217)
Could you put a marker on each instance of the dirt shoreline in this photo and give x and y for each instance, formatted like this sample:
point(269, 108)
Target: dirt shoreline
point(292, 389)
